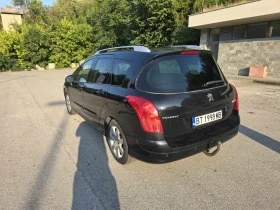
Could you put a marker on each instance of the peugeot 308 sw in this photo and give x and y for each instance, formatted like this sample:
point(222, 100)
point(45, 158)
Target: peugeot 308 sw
point(155, 106)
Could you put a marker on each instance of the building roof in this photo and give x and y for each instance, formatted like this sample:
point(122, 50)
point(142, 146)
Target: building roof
point(15, 11)
point(255, 11)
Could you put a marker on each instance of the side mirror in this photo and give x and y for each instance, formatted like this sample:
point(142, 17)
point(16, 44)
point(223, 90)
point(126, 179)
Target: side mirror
point(69, 79)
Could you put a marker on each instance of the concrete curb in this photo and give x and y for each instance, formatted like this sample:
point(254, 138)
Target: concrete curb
point(241, 79)
point(267, 81)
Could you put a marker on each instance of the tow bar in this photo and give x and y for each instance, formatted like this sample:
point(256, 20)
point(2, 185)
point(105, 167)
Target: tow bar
point(211, 154)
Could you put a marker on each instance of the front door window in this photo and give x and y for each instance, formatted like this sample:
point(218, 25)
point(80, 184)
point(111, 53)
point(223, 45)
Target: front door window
point(81, 74)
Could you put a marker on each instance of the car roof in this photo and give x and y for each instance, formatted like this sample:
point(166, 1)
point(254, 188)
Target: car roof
point(145, 54)
point(144, 49)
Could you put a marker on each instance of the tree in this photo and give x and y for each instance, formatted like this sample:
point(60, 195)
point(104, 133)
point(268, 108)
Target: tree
point(151, 22)
point(71, 9)
point(35, 12)
point(110, 21)
point(70, 30)
point(21, 3)
point(70, 43)
point(10, 50)
point(35, 46)
point(182, 33)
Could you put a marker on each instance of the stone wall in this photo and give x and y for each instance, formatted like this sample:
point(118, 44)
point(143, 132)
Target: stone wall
point(236, 56)
point(204, 38)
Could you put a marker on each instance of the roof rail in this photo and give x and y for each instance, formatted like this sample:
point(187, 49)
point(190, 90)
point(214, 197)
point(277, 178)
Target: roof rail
point(195, 47)
point(123, 48)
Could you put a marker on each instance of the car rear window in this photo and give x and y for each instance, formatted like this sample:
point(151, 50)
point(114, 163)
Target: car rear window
point(180, 73)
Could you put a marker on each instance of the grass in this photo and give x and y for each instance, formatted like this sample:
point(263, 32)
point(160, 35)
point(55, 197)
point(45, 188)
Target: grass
point(220, 6)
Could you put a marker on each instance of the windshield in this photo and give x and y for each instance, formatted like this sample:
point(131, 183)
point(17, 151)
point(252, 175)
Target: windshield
point(180, 73)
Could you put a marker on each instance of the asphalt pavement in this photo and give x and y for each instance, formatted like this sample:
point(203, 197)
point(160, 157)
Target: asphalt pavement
point(51, 160)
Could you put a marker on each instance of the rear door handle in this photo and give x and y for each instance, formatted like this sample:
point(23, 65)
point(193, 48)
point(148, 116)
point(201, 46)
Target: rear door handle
point(100, 92)
point(81, 86)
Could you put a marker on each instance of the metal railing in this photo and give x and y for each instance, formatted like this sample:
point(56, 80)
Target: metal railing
point(124, 48)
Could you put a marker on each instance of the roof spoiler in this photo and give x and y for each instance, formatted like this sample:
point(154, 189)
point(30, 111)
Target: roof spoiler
point(137, 48)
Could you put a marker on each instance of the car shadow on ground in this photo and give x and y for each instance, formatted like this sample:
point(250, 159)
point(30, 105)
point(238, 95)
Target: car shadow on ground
point(260, 138)
point(94, 184)
point(56, 103)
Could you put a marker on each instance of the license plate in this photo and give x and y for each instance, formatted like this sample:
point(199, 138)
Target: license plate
point(207, 118)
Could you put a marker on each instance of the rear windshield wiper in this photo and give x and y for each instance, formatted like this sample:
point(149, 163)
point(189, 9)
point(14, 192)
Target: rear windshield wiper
point(214, 83)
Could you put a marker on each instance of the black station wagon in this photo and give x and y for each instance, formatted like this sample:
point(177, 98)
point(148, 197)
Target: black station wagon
point(156, 106)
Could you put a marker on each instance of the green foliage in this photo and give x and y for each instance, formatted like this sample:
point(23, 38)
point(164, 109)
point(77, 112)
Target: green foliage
point(151, 22)
point(36, 11)
point(10, 47)
point(109, 21)
point(8, 63)
point(182, 34)
point(182, 9)
point(35, 46)
point(200, 5)
point(23, 48)
point(71, 30)
point(20, 3)
point(71, 9)
point(70, 43)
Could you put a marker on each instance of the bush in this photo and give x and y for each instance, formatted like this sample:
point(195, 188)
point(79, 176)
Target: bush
point(35, 46)
point(184, 35)
point(10, 47)
point(70, 43)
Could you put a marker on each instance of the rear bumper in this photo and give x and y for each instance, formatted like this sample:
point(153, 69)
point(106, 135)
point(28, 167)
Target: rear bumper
point(161, 151)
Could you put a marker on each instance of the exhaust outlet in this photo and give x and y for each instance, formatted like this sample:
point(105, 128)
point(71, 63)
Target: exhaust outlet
point(211, 154)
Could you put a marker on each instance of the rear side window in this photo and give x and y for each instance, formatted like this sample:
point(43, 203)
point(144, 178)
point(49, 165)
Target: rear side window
point(102, 71)
point(121, 67)
point(179, 73)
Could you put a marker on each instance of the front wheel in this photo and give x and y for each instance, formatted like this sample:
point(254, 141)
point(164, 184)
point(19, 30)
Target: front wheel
point(117, 143)
point(69, 105)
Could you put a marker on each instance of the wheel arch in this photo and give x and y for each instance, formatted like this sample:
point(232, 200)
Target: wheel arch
point(65, 91)
point(106, 124)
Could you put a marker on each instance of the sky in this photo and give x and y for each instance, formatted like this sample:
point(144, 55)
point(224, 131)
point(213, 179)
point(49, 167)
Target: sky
point(4, 3)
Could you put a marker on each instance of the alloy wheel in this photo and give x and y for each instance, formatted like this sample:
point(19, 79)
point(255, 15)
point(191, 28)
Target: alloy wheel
point(68, 103)
point(116, 142)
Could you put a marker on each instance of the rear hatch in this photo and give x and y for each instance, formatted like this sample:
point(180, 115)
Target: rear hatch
point(192, 97)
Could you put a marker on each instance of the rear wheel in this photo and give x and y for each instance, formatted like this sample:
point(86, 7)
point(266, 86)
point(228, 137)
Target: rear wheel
point(117, 143)
point(68, 104)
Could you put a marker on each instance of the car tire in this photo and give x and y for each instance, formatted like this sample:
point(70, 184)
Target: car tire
point(117, 143)
point(68, 104)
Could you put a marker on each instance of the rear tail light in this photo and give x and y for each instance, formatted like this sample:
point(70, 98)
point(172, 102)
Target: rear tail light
point(147, 114)
point(236, 102)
